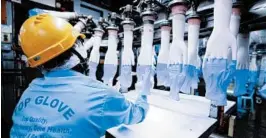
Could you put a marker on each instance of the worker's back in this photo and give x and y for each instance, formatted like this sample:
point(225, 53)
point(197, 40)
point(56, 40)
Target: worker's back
point(69, 104)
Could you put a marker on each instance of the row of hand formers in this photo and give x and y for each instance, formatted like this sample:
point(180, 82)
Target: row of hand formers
point(226, 58)
point(178, 64)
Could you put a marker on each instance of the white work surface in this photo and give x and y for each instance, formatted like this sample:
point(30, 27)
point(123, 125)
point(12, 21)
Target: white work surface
point(167, 118)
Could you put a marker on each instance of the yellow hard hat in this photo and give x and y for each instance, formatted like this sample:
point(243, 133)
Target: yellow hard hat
point(43, 37)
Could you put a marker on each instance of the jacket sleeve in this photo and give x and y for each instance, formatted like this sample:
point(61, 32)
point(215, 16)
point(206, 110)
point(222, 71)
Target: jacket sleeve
point(118, 110)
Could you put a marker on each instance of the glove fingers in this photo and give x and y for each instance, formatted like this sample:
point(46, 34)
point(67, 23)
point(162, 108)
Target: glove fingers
point(109, 72)
point(126, 78)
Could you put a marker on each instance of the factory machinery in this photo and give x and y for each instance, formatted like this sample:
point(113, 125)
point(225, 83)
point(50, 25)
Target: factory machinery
point(161, 49)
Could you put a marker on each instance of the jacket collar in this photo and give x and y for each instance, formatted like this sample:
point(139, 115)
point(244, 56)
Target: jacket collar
point(62, 73)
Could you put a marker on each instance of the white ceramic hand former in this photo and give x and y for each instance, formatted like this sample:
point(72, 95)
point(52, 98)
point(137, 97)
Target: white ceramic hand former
point(191, 69)
point(127, 54)
point(243, 51)
point(163, 57)
point(193, 40)
point(95, 54)
point(234, 28)
point(221, 39)
point(178, 52)
point(235, 21)
point(111, 59)
point(145, 60)
point(242, 72)
point(218, 70)
point(146, 55)
point(127, 57)
point(111, 55)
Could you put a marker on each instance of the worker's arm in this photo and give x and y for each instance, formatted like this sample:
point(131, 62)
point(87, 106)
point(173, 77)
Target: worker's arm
point(118, 110)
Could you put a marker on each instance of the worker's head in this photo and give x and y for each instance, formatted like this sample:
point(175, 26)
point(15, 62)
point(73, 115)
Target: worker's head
point(50, 42)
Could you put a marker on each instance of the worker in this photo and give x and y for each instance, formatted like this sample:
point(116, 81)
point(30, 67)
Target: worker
point(66, 103)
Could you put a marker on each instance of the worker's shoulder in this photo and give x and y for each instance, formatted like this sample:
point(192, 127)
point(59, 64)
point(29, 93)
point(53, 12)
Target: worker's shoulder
point(98, 86)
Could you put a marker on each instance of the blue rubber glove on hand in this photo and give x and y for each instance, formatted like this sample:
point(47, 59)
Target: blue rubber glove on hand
point(241, 77)
point(218, 74)
point(145, 74)
point(125, 77)
point(92, 69)
point(109, 73)
point(162, 74)
point(176, 80)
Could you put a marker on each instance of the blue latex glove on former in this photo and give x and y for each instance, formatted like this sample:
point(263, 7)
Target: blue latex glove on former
point(218, 74)
point(125, 76)
point(176, 79)
point(69, 104)
point(109, 73)
point(241, 78)
point(252, 82)
point(144, 75)
point(253, 76)
point(92, 69)
point(162, 74)
point(195, 79)
point(188, 72)
point(35, 11)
